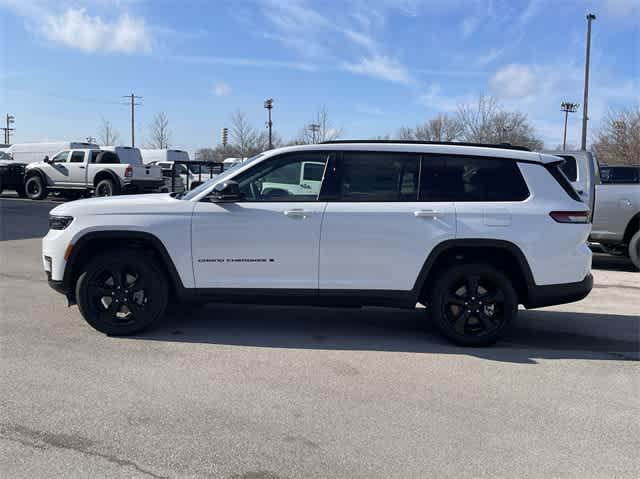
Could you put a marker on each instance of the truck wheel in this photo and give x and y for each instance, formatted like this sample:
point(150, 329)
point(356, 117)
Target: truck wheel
point(121, 292)
point(634, 250)
point(106, 187)
point(35, 188)
point(473, 305)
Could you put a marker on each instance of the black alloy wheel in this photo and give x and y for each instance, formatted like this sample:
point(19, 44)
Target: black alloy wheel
point(473, 304)
point(122, 292)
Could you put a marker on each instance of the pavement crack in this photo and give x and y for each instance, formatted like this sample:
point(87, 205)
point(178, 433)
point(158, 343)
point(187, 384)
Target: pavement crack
point(72, 442)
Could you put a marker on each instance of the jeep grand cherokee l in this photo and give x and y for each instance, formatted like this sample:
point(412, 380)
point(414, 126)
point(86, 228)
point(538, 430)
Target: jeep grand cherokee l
point(470, 232)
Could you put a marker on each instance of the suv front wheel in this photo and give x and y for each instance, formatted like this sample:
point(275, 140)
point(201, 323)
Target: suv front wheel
point(473, 304)
point(121, 292)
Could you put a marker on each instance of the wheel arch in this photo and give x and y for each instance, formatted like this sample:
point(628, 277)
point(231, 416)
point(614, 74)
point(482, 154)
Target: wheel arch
point(106, 175)
point(502, 254)
point(35, 172)
point(84, 249)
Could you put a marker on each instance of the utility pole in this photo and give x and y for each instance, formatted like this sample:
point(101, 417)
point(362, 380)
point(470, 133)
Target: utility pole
point(314, 127)
point(132, 101)
point(567, 107)
point(268, 104)
point(10, 120)
point(585, 116)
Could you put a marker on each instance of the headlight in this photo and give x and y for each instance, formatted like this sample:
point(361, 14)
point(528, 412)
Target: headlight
point(59, 222)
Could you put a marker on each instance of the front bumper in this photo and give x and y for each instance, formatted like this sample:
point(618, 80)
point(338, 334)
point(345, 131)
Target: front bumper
point(552, 294)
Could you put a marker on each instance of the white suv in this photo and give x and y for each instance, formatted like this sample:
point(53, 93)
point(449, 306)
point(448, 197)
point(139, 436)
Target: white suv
point(469, 231)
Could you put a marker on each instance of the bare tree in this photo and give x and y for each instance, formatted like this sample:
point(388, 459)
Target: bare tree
point(441, 128)
point(320, 129)
point(160, 133)
point(486, 122)
point(617, 141)
point(243, 135)
point(108, 136)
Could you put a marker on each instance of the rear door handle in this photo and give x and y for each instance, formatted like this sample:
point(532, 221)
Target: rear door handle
point(427, 214)
point(297, 213)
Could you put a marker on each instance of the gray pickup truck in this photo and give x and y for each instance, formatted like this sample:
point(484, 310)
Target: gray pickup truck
point(615, 206)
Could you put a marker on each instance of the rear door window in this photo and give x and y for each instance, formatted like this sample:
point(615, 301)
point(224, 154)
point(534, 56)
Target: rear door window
point(471, 179)
point(378, 176)
point(77, 157)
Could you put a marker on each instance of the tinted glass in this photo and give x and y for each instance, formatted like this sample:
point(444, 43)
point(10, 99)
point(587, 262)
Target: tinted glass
point(458, 178)
point(569, 167)
point(108, 157)
point(77, 157)
point(371, 176)
point(94, 156)
point(279, 179)
point(313, 171)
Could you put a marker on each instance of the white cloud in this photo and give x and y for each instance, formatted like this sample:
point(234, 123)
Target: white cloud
point(513, 81)
point(468, 26)
point(75, 28)
point(222, 89)
point(490, 56)
point(244, 62)
point(381, 67)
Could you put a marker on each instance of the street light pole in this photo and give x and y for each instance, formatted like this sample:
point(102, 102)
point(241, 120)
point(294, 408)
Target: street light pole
point(268, 104)
point(585, 116)
point(567, 107)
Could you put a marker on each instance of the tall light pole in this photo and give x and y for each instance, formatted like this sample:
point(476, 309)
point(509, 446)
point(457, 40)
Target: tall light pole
point(567, 107)
point(585, 115)
point(314, 127)
point(8, 130)
point(268, 104)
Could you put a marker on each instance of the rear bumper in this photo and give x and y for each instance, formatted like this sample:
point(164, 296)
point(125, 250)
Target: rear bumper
point(143, 186)
point(551, 294)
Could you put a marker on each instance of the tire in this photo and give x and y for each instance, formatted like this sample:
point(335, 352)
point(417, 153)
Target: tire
point(487, 293)
point(634, 250)
point(121, 292)
point(35, 188)
point(106, 187)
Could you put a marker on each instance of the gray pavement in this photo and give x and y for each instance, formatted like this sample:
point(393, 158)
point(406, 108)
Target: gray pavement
point(271, 392)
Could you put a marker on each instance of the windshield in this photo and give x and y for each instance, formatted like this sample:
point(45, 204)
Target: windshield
point(222, 176)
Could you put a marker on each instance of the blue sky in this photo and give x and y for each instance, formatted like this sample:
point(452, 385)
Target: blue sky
point(375, 64)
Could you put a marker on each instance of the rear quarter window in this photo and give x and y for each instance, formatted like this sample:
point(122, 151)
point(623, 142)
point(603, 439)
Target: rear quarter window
point(569, 167)
point(558, 174)
point(471, 179)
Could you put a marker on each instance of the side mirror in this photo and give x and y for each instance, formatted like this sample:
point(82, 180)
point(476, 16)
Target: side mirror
point(46, 159)
point(226, 191)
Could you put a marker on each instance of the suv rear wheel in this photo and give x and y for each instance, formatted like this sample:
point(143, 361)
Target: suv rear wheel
point(473, 305)
point(121, 292)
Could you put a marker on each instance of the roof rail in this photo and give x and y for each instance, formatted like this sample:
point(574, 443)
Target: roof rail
point(504, 146)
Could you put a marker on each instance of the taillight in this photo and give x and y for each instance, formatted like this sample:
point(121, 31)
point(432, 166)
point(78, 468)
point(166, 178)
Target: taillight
point(128, 172)
point(570, 216)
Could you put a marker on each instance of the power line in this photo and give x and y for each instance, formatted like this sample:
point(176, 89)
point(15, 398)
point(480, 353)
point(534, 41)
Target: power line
point(132, 101)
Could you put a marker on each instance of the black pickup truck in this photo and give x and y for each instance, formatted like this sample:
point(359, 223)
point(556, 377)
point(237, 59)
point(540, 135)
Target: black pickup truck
point(11, 175)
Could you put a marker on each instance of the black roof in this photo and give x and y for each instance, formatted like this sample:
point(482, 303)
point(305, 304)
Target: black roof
point(504, 146)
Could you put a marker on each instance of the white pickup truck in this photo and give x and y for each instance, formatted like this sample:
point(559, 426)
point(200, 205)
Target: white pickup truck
point(103, 172)
point(615, 207)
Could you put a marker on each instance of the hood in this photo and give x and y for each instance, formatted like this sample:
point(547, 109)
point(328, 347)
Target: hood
point(153, 203)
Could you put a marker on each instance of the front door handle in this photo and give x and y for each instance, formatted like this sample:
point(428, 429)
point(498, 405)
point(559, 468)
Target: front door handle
point(81, 167)
point(297, 213)
point(427, 214)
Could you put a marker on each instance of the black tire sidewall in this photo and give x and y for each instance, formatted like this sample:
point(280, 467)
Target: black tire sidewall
point(147, 266)
point(112, 186)
point(456, 272)
point(634, 254)
point(43, 188)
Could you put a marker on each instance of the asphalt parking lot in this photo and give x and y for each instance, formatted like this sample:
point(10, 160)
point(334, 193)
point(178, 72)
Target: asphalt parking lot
point(271, 392)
